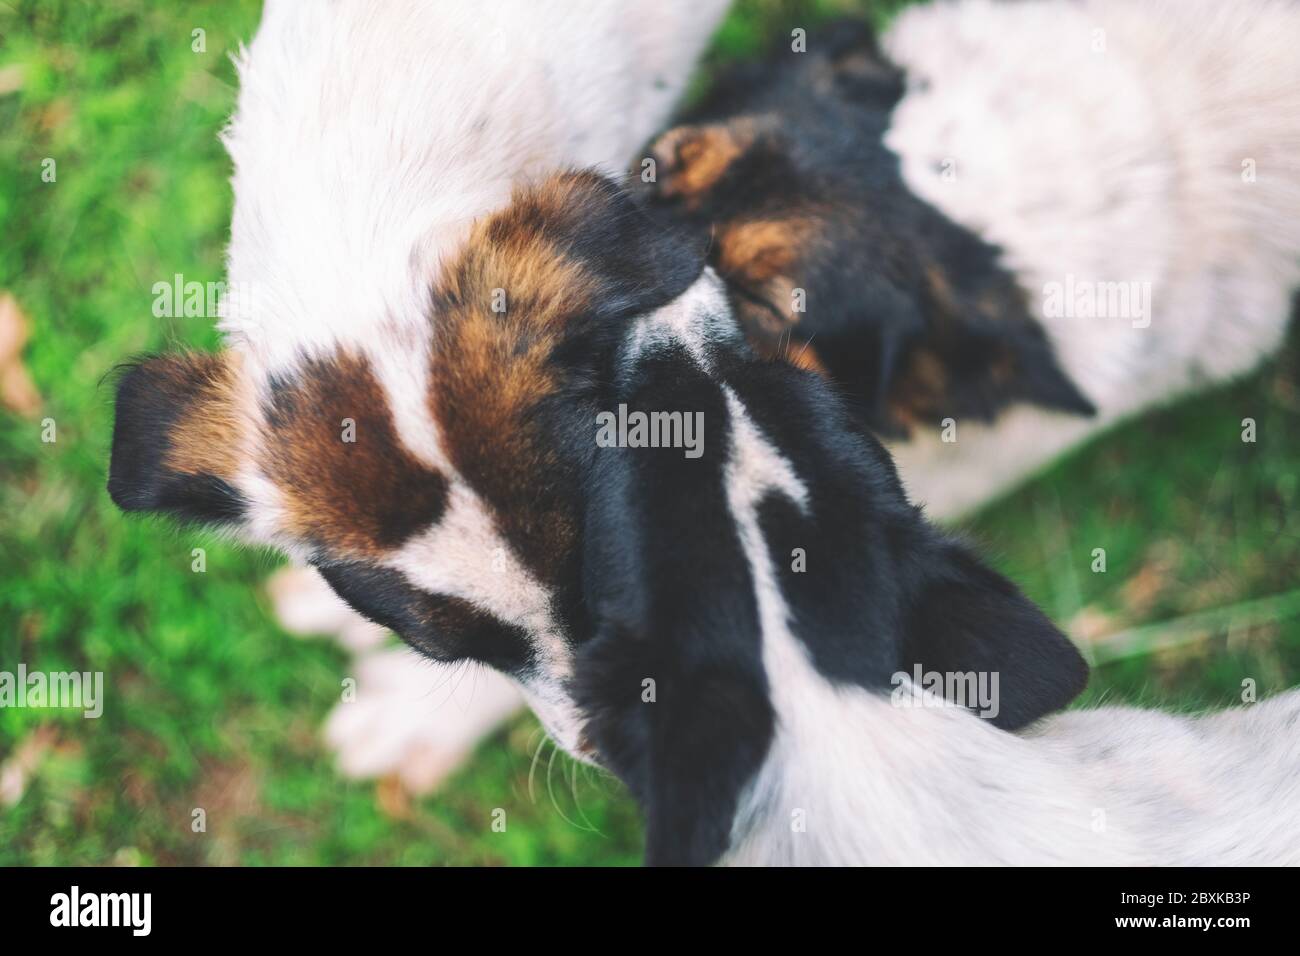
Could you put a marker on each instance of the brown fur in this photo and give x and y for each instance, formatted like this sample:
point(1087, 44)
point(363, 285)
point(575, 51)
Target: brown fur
point(755, 251)
point(757, 257)
point(491, 371)
point(358, 498)
point(801, 354)
point(691, 159)
point(208, 435)
point(920, 389)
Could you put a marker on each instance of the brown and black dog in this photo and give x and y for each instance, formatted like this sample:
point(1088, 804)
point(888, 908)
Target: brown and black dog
point(832, 263)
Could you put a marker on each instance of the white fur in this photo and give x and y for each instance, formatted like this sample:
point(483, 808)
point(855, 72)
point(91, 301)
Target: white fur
point(368, 137)
point(1120, 164)
point(697, 317)
point(852, 779)
point(366, 140)
point(871, 783)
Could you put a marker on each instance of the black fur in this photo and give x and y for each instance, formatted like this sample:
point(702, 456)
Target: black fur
point(873, 563)
point(441, 627)
point(963, 617)
point(906, 310)
point(149, 404)
point(641, 263)
point(671, 594)
point(673, 602)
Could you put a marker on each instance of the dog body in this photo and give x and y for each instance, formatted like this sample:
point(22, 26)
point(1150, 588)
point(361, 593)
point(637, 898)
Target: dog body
point(1146, 145)
point(854, 779)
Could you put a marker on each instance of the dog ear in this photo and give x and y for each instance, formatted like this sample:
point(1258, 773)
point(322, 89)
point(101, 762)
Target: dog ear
point(619, 260)
point(176, 439)
point(640, 262)
point(967, 618)
point(691, 160)
point(673, 685)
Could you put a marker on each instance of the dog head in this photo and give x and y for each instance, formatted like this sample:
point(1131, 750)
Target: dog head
point(436, 482)
point(792, 520)
point(551, 468)
point(832, 263)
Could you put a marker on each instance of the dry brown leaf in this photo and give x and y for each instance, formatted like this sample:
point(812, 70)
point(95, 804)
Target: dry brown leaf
point(392, 798)
point(11, 79)
point(54, 115)
point(1157, 574)
point(16, 772)
point(17, 390)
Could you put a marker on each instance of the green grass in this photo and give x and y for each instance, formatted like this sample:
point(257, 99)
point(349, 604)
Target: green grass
point(210, 706)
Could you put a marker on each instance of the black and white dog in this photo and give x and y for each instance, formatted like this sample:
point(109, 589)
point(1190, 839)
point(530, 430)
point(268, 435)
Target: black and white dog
point(760, 614)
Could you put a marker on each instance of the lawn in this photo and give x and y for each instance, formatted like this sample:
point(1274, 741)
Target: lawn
point(210, 706)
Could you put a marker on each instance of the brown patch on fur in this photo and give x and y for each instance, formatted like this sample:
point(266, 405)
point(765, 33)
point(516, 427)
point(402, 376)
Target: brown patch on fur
point(919, 388)
point(574, 260)
point(356, 498)
point(803, 355)
point(756, 251)
point(785, 348)
point(689, 160)
point(757, 258)
point(210, 431)
point(492, 370)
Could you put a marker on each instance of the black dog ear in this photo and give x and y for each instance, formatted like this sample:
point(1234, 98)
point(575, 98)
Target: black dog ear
point(672, 685)
point(968, 619)
point(642, 260)
point(622, 260)
point(176, 439)
point(978, 350)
